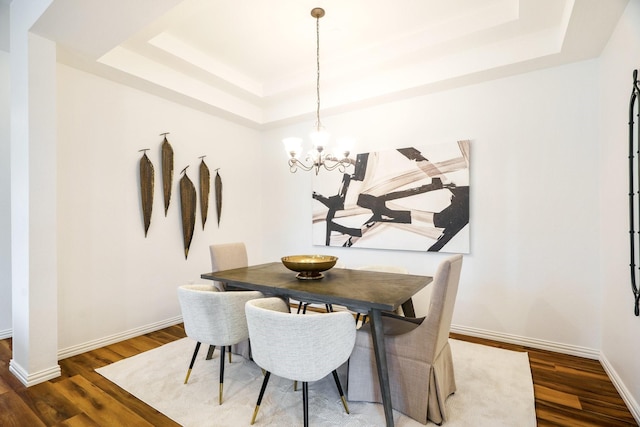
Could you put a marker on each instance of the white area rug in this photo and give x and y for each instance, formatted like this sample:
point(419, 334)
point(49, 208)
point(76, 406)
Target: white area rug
point(494, 389)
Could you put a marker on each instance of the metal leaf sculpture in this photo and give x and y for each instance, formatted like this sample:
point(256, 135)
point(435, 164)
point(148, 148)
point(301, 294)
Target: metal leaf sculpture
point(205, 184)
point(167, 171)
point(146, 189)
point(218, 189)
point(188, 204)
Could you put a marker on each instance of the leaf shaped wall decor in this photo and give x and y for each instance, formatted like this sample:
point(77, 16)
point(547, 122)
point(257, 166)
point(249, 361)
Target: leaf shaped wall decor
point(205, 184)
point(167, 171)
point(146, 189)
point(188, 204)
point(218, 190)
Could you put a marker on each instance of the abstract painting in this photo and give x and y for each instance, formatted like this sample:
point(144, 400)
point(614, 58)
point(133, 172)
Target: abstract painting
point(413, 198)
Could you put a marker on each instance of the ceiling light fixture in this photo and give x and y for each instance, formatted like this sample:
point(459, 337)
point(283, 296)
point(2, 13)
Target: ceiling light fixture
point(319, 156)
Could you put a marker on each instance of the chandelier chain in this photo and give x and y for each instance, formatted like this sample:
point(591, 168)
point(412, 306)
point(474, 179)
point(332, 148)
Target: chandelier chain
point(318, 124)
point(318, 157)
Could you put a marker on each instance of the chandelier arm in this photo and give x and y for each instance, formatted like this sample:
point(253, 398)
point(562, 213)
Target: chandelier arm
point(294, 164)
point(340, 164)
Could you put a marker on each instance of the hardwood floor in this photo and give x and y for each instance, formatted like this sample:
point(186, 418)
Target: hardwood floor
point(569, 391)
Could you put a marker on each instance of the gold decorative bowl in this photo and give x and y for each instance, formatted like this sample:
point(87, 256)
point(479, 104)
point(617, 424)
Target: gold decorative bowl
point(309, 267)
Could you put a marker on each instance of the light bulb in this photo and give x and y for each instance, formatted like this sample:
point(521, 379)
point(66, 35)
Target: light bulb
point(319, 138)
point(293, 146)
point(345, 146)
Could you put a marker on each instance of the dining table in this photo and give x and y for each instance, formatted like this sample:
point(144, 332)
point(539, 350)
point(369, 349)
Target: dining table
point(363, 291)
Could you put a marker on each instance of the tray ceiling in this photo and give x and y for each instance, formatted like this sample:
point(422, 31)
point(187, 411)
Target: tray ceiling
point(254, 61)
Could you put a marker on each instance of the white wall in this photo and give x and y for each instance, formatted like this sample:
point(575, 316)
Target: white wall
point(5, 197)
point(4, 25)
point(5, 173)
point(533, 268)
point(111, 278)
point(620, 327)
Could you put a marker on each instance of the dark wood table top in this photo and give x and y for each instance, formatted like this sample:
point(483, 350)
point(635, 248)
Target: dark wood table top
point(356, 289)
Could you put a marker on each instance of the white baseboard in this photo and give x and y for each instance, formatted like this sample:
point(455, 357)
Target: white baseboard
point(6, 333)
point(626, 395)
point(573, 350)
point(112, 339)
point(34, 378)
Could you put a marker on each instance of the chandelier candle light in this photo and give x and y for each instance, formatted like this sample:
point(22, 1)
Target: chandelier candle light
point(318, 156)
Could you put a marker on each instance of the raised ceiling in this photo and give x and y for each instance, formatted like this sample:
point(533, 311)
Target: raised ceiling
point(254, 61)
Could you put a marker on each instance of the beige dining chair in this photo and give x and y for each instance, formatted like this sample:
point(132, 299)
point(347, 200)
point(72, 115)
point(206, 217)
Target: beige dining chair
point(418, 354)
point(298, 347)
point(215, 318)
point(225, 256)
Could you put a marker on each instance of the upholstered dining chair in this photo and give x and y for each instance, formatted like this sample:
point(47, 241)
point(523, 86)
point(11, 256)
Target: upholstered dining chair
point(418, 354)
point(226, 256)
point(215, 318)
point(313, 345)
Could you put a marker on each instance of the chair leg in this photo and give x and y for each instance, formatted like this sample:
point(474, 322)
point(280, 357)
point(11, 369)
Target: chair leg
point(229, 349)
point(300, 304)
point(212, 348)
point(327, 307)
point(262, 389)
point(305, 403)
point(193, 360)
point(344, 401)
point(222, 350)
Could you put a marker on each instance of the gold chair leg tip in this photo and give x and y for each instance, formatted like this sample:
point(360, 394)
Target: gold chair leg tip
point(255, 414)
point(344, 403)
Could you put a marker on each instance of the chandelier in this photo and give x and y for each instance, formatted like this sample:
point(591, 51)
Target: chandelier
point(318, 156)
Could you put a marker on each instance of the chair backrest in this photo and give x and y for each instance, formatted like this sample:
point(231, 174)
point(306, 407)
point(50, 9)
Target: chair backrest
point(214, 317)
point(226, 256)
point(302, 347)
point(437, 323)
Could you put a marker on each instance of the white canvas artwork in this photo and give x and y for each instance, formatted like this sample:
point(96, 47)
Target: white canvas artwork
point(413, 198)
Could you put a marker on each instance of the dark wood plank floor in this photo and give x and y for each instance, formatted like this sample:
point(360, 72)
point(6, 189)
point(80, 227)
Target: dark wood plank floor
point(569, 391)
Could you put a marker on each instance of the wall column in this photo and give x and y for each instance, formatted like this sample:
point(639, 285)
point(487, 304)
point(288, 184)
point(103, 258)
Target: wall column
point(5, 177)
point(33, 198)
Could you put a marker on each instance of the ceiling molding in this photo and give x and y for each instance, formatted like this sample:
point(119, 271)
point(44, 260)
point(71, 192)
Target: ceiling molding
point(254, 62)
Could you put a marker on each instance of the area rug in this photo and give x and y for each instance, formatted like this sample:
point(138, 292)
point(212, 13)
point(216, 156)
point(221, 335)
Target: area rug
point(494, 389)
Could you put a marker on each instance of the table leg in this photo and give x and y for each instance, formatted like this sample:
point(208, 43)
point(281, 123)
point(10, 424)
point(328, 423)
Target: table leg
point(381, 362)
